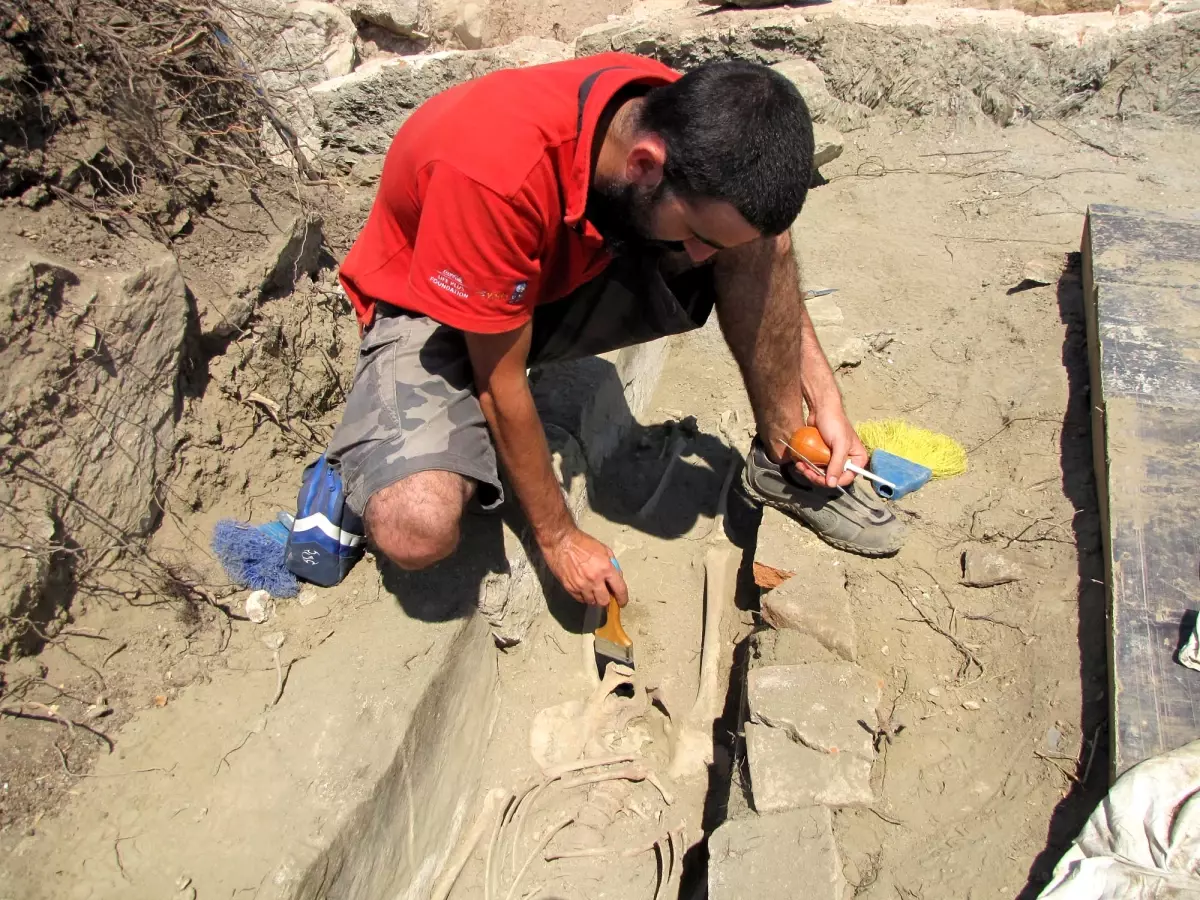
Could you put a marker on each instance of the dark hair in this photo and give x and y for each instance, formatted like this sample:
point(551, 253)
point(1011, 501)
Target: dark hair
point(736, 131)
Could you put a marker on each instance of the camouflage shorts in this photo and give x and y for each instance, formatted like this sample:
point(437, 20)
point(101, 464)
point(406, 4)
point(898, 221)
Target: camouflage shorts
point(413, 408)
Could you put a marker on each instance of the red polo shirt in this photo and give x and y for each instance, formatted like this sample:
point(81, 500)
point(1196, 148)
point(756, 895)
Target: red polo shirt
point(479, 215)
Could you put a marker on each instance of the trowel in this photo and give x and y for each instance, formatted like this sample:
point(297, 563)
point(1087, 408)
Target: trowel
point(612, 643)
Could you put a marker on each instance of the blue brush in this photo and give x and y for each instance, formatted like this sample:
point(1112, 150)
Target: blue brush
point(253, 556)
point(904, 475)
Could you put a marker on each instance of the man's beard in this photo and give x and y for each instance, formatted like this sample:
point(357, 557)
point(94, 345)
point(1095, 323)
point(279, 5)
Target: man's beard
point(623, 213)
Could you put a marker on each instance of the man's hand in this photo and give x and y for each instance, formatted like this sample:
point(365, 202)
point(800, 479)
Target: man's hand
point(578, 560)
point(584, 567)
point(843, 442)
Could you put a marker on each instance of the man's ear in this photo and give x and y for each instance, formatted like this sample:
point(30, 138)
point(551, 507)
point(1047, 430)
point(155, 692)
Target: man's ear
point(645, 162)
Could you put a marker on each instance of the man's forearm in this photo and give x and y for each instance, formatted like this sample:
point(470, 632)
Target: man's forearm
point(521, 443)
point(816, 376)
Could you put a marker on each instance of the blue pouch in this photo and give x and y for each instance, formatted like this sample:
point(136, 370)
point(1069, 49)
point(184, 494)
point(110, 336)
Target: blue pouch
point(326, 540)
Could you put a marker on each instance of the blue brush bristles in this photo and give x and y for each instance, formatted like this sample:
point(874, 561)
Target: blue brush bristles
point(253, 556)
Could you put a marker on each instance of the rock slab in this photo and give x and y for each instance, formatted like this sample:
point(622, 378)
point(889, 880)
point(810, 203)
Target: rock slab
point(775, 857)
point(804, 741)
point(827, 145)
point(985, 567)
point(360, 112)
point(816, 604)
point(89, 405)
point(818, 705)
point(786, 775)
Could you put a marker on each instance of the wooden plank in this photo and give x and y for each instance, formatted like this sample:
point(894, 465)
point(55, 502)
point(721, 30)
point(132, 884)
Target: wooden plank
point(1152, 580)
point(1142, 297)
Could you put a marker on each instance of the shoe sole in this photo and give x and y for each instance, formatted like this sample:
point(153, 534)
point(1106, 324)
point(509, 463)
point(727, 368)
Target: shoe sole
point(846, 546)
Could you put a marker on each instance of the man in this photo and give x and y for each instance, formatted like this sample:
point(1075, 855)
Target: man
point(559, 211)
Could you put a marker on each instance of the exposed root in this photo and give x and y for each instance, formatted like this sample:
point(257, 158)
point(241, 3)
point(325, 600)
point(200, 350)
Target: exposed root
point(969, 659)
point(48, 715)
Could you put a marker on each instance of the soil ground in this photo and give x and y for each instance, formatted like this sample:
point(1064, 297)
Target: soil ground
point(925, 228)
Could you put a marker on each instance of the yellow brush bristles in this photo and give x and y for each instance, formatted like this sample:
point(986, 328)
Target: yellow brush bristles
point(942, 455)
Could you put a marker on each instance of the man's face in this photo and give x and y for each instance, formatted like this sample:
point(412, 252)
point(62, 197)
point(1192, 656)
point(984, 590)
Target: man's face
point(647, 214)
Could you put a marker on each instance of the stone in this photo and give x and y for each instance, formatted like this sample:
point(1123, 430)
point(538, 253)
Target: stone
point(823, 106)
point(786, 775)
point(294, 252)
point(823, 311)
point(359, 113)
point(818, 705)
point(1044, 270)
point(776, 857)
point(296, 44)
point(36, 197)
point(400, 17)
point(786, 545)
point(91, 367)
point(816, 604)
point(470, 25)
point(827, 145)
point(843, 348)
point(788, 648)
point(808, 79)
point(647, 9)
point(985, 567)
point(804, 742)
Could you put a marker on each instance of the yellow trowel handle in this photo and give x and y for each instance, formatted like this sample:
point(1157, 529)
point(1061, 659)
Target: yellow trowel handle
point(611, 630)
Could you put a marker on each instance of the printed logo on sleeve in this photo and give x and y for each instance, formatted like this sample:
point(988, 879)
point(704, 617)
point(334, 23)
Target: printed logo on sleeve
point(450, 282)
point(518, 292)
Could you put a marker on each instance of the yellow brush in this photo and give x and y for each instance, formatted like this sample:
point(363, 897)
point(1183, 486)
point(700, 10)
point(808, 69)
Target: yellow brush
point(612, 643)
point(943, 456)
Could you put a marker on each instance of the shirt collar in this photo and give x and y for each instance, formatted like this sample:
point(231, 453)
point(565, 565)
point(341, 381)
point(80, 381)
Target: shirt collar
point(605, 83)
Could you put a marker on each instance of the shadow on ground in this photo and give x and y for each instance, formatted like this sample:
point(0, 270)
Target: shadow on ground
point(450, 590)
point(1079, 485)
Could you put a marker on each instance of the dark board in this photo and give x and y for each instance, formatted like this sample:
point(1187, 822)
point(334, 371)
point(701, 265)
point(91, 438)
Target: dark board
point(1142, 297)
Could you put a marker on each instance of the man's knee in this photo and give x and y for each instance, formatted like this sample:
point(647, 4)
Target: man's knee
point(415, 522)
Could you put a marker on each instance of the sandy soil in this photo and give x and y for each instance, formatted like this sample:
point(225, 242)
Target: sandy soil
point(925, 228)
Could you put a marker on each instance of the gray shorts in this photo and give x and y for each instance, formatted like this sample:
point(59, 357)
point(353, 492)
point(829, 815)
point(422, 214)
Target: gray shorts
point(413, 408)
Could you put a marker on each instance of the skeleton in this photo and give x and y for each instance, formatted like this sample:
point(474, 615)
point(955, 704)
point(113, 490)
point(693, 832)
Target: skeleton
point(692, 752)
point(563, 733)
point(516, 810)
point(493, 802)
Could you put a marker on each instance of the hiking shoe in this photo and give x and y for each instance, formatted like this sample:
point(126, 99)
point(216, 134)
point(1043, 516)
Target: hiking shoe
point(849, 519)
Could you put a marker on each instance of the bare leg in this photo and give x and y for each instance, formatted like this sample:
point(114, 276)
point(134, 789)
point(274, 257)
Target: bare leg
point(761, 311)
point(415, 522)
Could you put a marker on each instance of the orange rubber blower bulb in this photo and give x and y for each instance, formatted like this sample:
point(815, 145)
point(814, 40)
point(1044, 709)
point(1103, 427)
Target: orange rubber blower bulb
point(808, 441)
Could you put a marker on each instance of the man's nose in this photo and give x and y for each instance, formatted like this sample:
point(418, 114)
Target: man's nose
point(698, 250)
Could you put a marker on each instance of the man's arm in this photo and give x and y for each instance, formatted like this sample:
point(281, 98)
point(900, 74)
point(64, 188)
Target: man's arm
point(826, 412)
point(580, 562)
point(762, 314)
